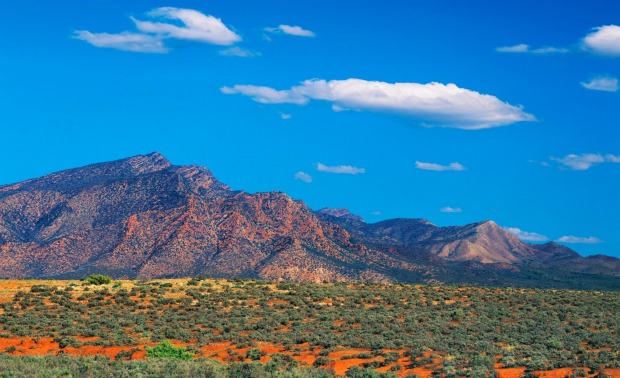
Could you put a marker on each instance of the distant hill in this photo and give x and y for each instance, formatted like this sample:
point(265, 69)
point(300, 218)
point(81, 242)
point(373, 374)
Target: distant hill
point(144, 217)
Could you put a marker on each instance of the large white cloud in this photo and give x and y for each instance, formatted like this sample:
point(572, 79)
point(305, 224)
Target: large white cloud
point(291, 30)
point(527, 236)
point(580, 240)
point(340, 169)
point(582, 162)
point(438, 167)
point(433, 104)
point(126, 41)
point(602, 83)
point(196, 26)
point(604, 40)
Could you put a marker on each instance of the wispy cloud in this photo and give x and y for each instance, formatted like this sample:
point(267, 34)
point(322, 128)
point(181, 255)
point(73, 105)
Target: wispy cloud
point(266, 95)
point(582, 162)
point(527, 236)
point(340, 169)
point(291, 30)
point(285, 116)
point(125, 41)
point(438, 167)
point(580, 240)
point(432, 104)
point(303, 176)
point(604, 40)
point(449, 209)
point(196, 26)
point(376, 213)
point(239, 52)
point(526, 49)
point(602, 83)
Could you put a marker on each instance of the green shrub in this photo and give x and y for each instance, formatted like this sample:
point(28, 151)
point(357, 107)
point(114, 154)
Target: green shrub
point(98, 279)
point(166, 350)
point(254, 354)
point(321, 361)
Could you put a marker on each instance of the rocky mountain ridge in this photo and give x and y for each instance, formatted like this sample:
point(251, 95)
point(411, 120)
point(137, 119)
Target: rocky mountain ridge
point(144, 217)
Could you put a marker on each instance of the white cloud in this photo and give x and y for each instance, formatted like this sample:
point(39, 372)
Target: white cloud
point(433, 104)
point(582, 162)
point(291, 30)
point(266, 95)
point(527, 236)
point(285, 116)
point(525, 49)
point(521, 48)
point(240, 52)
point(303, 176)
point(376, 213)
point(602, 83)
point(340, 169)
point(126, 41)
point(196, 26)
point(438, 167)
point(604, 40)
point(449, 209)
point(580, 240)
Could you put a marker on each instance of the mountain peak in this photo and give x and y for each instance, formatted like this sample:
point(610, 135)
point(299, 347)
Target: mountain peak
point(152, 162)
point(340, 213)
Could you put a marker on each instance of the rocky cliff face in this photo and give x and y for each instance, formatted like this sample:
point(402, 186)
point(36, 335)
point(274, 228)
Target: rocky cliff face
point(144, 217)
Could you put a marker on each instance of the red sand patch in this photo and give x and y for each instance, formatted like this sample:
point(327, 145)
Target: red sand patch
point(510, 372)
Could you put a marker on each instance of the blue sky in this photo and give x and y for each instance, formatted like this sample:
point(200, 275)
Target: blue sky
point(504, 110)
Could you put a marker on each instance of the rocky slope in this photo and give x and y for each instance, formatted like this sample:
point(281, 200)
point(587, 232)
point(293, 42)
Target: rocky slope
point(144, 217)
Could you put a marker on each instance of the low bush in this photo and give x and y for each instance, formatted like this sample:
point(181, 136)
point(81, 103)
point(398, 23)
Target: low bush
point(98, 279)
point(166, 350)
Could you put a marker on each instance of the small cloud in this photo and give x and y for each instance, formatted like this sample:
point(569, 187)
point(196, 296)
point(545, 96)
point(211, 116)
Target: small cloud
point(525, 49)
point(125, 41)
point(266, 95)
point(340, 169)
point(604, 40)
point(521, 48)
point(543, 163)
point(438, 167)
point(285, 116)
point(527, 236)
point(582, 162)
point(579, 240)
point(303, 176)
point(376, 213)
point(240, 52)
point(602, 83)
point(291, 30)
point(433, 104)
point(449, 209)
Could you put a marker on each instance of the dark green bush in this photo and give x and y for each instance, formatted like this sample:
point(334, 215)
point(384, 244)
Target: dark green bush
point(98, 279)
point(166, 350)
point(254, 354)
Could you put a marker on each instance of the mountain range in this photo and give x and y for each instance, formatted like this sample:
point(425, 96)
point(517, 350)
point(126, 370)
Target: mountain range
point(143, 217)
